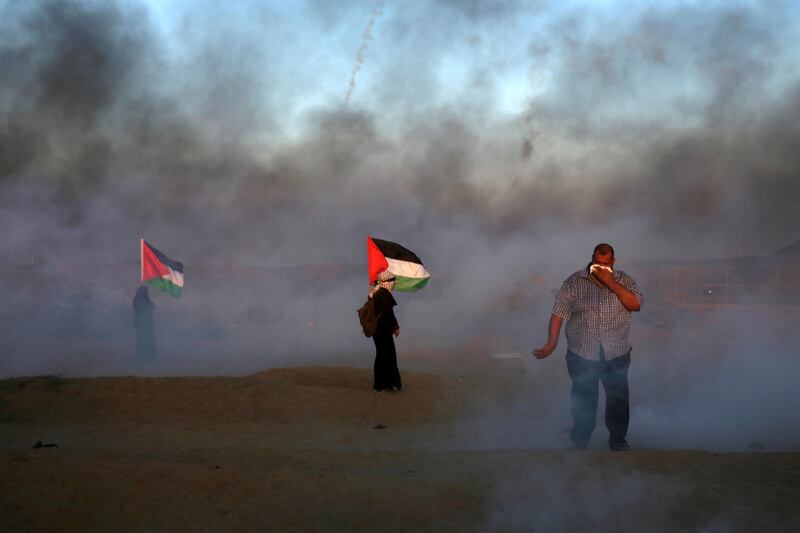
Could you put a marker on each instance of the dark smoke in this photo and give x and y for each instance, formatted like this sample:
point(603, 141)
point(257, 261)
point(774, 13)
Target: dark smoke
point(719, 156)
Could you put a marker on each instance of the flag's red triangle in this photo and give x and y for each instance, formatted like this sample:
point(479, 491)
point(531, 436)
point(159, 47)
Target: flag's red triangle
point(151, 266)
point(376, 262)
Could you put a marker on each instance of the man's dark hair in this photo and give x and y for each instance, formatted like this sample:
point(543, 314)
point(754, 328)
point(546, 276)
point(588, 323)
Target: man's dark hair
point(604, 249)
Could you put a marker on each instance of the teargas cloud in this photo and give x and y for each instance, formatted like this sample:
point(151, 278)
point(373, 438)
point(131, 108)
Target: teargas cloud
point(254, 147)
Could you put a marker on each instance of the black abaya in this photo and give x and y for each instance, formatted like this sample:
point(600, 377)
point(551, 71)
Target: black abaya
point(386, 373)
point(143, 324)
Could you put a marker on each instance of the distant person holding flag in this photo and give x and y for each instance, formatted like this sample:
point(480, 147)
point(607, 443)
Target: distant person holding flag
point(387, 375)
point(163, 273)
point(391, 267)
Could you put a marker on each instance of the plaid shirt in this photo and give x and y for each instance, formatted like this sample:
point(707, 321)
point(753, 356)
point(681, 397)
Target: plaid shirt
point(595, 317)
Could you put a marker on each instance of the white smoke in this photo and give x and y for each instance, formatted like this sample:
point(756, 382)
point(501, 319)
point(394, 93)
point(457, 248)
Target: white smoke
point(362, 50)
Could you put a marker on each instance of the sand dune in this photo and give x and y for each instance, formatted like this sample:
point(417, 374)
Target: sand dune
point(314, 449)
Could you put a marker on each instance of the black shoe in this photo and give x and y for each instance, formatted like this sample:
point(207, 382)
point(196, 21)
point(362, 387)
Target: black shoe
point(620, 446)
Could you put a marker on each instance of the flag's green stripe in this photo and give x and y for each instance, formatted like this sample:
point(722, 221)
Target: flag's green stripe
point(409, 284)
point(165, 285)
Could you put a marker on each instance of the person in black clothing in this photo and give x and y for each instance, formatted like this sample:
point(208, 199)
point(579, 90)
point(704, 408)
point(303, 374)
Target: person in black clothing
point(143, 323)
point(387, 375)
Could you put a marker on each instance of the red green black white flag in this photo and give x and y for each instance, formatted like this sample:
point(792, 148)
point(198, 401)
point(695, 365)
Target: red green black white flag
point(408, 270)
point(160, 271)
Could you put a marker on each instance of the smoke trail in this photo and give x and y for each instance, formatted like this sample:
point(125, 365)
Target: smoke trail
point(376, 12)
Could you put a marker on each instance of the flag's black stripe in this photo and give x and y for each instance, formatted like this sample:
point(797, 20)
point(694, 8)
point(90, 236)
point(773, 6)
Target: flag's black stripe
point(392, 250)
point(174, 265)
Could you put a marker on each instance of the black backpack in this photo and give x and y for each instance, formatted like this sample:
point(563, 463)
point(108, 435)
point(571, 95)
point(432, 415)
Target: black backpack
point(368, 318)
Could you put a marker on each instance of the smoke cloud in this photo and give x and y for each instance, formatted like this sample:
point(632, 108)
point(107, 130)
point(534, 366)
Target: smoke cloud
point(500, 157)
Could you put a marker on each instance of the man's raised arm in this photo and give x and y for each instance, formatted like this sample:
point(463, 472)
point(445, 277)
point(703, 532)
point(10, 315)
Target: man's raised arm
point(625, 295)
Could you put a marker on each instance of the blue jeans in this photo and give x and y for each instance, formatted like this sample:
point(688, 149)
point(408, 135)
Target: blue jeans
point(585, 376)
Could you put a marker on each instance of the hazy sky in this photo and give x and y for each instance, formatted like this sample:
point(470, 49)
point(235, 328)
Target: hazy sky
point(621, 62)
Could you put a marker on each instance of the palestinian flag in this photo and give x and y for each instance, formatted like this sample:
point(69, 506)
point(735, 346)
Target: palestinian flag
point(160, 271)
point(407, 268)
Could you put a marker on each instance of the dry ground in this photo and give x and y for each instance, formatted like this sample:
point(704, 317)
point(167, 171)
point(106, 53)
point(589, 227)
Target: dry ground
point(302, 449)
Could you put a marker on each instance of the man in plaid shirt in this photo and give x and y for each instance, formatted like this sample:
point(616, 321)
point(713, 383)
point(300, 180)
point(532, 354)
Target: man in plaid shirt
point(597, 303)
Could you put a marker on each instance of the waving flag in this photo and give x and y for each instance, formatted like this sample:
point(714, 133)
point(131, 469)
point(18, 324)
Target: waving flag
point(160, 271)
point(409, 272)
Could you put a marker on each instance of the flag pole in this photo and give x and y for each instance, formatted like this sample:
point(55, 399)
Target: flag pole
point(141, 260)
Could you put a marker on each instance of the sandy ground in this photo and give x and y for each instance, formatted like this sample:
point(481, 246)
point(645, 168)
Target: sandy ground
point(314, 449)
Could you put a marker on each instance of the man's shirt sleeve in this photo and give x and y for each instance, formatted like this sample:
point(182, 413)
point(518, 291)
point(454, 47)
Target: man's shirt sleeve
point(629, 284)
point(564, 299)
